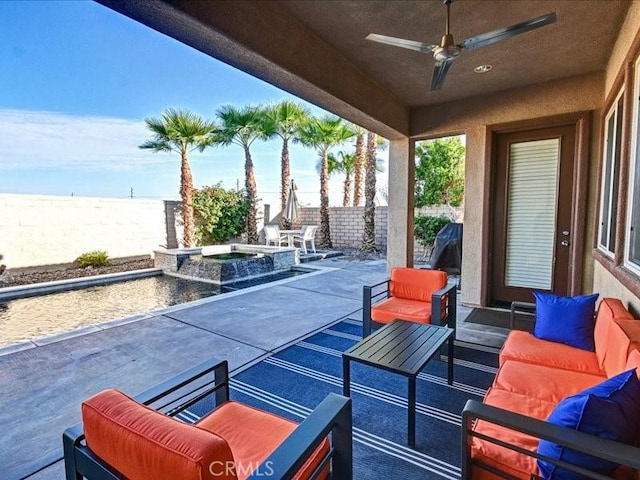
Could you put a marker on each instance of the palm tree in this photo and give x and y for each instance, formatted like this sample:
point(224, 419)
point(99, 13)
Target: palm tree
point(183, 132)
point(369, 235)
point(324, 134)
point(345, 164)
point(243, 126)
point(287, 118)
point(359, 167)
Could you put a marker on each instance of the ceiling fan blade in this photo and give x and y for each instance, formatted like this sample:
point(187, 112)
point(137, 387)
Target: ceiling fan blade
point(489, 38)
point(401, 42)
point(440, 70)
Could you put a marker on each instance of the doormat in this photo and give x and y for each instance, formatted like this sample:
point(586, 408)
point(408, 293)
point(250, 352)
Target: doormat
point(499, 318)
point(493, 318)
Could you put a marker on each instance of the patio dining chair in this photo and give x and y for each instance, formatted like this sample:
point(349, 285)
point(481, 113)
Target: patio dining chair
point(307, 234)
point(272, 235)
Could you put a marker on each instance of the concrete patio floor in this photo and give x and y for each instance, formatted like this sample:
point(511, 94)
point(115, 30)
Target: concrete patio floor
point(41, 388)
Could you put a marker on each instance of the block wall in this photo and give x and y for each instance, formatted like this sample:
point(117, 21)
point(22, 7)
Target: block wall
point(40, 230)
point(347, 224)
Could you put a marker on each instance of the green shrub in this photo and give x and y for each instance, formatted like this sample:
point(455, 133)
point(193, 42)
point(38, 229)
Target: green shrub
point(426, 228)
point(95, 258)
point(219, 214)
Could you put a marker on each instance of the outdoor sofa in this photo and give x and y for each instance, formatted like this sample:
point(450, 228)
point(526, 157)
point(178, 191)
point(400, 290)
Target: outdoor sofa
point(125, 438)
point(501, 435)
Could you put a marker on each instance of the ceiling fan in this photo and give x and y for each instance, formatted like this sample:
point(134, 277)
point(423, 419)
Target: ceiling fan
point(445, 53)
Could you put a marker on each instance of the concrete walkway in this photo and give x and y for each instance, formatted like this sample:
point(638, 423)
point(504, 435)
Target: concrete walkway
point(41, 388)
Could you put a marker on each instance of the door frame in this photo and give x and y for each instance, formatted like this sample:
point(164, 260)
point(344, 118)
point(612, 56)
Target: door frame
point(581, 122)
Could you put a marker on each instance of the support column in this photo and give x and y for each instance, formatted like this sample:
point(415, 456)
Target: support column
point(400, 210)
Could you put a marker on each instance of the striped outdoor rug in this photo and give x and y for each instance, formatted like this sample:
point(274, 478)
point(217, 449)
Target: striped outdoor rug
point(294, 381)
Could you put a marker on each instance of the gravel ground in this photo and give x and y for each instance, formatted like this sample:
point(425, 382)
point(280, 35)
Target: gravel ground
point(12, 280)
point(358, 255)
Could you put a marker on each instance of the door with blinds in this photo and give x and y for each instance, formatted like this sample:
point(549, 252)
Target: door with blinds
point(532, 213)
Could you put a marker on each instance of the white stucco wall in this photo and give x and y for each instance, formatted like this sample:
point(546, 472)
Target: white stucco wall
point(44, 230)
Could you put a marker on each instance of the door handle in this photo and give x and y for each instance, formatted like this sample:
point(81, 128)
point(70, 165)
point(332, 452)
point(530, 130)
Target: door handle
point(564, 243)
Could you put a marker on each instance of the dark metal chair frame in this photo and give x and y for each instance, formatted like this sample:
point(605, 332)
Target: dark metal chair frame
point(524, 311)
point(474, 410)
point(372, 294)
point(331, 417)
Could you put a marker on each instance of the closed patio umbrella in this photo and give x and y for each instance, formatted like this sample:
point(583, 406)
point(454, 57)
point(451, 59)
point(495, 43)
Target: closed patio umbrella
point(292, 211)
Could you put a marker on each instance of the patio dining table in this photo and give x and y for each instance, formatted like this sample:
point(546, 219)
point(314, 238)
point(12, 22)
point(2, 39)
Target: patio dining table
point(290, 234)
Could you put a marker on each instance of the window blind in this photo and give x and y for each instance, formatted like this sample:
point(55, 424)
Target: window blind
point(531, 213)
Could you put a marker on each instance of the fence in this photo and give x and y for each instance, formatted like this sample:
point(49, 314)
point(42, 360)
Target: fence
point(347, 224)
point(39, 230)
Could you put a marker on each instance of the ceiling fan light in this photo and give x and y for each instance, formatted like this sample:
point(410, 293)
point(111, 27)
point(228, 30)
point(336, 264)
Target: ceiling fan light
point(482, 68)
point(446, 54)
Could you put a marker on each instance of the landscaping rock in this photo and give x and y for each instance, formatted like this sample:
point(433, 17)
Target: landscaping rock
point(71, 272)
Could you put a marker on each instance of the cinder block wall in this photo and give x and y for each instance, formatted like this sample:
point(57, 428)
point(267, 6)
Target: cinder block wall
point(347, 224)
point(45, 230)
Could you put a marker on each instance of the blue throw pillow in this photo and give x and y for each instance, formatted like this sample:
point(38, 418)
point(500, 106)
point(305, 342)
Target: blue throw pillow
point(609, 410)
point(568, 320)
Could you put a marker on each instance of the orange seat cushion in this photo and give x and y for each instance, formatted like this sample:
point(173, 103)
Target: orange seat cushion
point(416, 284)
point(141, 443)
point(539, 381)
point(515, 464)
point(253, 435)
point(524, 347)
point(392, 308)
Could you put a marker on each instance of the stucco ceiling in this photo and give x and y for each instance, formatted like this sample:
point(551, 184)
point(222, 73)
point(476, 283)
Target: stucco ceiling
point(316, 49)
point(579, 42)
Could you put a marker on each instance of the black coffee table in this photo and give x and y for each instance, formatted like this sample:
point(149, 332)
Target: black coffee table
point(401, 347)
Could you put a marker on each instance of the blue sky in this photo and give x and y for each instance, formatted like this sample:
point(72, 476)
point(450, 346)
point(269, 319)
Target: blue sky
point(77, 82)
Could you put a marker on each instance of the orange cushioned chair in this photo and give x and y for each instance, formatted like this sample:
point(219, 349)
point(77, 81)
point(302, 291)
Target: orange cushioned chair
point(417, 295)
point(124, 438)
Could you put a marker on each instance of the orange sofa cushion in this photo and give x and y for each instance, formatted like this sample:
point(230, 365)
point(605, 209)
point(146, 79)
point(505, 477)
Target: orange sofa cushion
point(524, 347)
point(253, 435)
point(623, 338)
point(141, 443)
point(539, 381)
point(416, 284)
point(513, 463)
point(634, 362)
point(609, 310)
point(392, 308)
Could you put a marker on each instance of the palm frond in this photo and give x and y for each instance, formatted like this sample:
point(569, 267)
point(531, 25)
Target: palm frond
point(178, 130)
point(244, 125)
point(288, 117)
point(156, 146)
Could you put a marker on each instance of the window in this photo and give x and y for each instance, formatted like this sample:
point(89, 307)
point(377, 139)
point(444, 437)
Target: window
point(632, 249)
point(610, 175)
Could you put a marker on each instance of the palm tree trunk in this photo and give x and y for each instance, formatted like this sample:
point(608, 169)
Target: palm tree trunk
point(347, 190)
point(325, 229)
point(250, 187)
point(358, 169)
point(186, 193)
point(284, 182)
point(369, 236)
